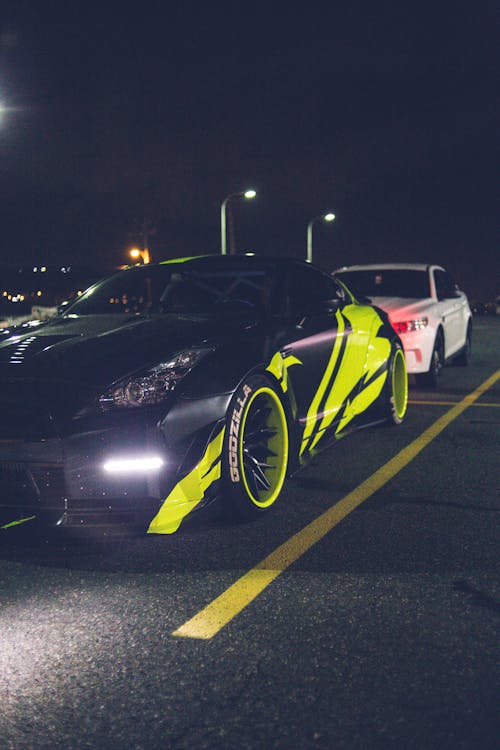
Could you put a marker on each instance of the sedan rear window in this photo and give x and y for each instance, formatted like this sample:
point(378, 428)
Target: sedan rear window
point(387, 282)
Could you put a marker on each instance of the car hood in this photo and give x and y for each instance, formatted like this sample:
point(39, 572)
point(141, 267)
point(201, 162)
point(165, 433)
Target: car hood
point(402, 308)
point(97, 350)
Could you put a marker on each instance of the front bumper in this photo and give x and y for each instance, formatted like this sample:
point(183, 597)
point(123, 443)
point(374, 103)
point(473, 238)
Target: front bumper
point(61, 480)
point(418, 347)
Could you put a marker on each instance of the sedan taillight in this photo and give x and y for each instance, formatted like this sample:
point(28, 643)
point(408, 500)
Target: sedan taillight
point(405, 326)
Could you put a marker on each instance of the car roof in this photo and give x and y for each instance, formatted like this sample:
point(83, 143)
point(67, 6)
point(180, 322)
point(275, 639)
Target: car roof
point(239, 261)
point(388, 267)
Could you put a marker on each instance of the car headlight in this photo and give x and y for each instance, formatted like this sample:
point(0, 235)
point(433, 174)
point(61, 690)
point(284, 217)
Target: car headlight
point(154, 385)
point(405, 326)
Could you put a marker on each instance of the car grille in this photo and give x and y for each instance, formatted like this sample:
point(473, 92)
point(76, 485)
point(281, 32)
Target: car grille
point(12, 471)
point(31, 485)
point(25, 422)
point(16, 484)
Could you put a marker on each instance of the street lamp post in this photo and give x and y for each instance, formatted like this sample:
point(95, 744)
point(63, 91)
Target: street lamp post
point(324, 217)
point(248, 194)
point(143, 255)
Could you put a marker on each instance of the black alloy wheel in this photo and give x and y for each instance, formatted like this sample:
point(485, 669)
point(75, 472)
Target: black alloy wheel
point(255, 449)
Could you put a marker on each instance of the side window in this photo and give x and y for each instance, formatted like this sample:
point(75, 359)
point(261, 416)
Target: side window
point(445, 285)
point(308, 288)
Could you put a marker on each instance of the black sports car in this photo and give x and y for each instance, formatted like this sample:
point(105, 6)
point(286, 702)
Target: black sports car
point(165, 386)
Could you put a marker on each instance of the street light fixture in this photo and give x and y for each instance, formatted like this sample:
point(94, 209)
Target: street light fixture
point(136, 253)
point(248, 195)
point(328, 217)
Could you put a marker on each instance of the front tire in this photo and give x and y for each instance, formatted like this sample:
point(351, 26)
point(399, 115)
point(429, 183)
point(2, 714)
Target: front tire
point(255, 455)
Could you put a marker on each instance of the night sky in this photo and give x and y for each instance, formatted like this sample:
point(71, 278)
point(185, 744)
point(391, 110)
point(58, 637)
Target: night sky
point(385, 113)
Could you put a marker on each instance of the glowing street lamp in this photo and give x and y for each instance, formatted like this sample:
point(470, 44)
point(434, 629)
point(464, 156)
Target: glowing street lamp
point(248, 195)
point(324, 217)
point(143, 255)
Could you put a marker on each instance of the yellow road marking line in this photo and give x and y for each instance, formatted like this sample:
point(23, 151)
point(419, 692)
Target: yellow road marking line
point(207, 623)
point(450, 403)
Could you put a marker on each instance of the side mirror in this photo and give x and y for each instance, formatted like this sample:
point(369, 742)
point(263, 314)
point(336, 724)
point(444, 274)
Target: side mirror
point(317, 308)
point(322, 307)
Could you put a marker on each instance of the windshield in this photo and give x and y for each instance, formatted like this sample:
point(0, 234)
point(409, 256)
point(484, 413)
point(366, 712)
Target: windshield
point(387, 282)
point(179, 288)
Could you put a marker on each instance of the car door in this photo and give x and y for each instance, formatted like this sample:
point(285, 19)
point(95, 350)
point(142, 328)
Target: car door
point(326, 351)
point(451, 309)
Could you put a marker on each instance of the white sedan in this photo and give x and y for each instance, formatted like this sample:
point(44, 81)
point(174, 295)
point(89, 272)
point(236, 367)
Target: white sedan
point(425, 307)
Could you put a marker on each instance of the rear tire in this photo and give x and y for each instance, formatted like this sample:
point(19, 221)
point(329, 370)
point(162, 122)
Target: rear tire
point(431, 378)
point(397, 387)
point(255, 454)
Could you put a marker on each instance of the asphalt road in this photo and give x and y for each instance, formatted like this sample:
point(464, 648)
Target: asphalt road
point(382, 634)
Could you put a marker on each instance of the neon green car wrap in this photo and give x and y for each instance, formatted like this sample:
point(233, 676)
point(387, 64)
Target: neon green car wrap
point(368, 389)
point(17, 523)
point(312, 414)
point(278, 367)
point(190, 491)
point(179, 260)
point(342, 392)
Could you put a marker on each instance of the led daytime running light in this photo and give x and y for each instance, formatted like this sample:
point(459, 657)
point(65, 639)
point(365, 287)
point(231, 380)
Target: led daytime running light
point(126, 465)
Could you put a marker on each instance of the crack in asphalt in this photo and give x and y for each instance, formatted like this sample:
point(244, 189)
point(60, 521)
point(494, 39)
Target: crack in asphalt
point(477, 597)
point(208, 728)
